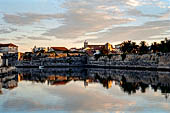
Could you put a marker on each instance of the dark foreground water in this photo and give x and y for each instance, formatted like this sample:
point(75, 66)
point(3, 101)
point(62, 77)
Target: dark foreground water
point(84, 91)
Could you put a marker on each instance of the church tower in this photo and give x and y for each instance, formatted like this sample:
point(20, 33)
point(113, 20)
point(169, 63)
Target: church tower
point(85, 44)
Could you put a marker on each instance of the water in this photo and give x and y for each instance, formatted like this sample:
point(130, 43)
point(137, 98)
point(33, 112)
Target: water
point(84, 91)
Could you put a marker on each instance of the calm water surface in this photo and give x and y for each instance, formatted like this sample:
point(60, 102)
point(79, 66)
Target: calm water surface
point(84, 90)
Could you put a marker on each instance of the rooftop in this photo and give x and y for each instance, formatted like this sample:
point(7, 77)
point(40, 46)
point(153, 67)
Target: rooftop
point(59, 48)
point(8, 45)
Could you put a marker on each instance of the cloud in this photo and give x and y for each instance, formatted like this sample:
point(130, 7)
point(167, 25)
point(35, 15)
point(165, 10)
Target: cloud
point(133, 3)
point(87, 99)
point(143, 32)
point(18, 38)
point(84, 17)
point(73, 97)
point(38, 38)
point(28, 18)
point(165, 15)
point(137, 13)
point(21, 43)
point(81, 17)
point(161, 4)
point(25, 104)
point(3, 39)
point(95, 20)
point(7, 30)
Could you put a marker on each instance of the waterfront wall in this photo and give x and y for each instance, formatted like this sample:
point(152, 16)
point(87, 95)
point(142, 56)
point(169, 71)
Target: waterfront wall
point(161, 61)
point(132, 60)
point(65, 61)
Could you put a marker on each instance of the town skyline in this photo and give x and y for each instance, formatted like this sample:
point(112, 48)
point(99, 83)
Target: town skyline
point(84, 56)
point(81, 46)
point(69, 22)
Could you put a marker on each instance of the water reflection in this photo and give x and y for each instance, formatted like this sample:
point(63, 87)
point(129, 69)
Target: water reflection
point(8, 80)
point(129, 81)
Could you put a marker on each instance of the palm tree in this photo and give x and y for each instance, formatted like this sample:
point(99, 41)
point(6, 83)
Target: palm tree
point(143, 48)
point(126, 47)
point(155, 47)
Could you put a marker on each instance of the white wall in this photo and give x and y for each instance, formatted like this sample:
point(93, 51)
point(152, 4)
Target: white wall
point(12, 49)
point(1, 59)
point(8, 49)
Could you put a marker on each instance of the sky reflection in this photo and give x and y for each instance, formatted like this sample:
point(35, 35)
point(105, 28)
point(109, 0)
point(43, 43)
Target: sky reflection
point(59, 92)
point(74, 97)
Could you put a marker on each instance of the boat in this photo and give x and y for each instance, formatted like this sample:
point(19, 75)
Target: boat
point(41, 67)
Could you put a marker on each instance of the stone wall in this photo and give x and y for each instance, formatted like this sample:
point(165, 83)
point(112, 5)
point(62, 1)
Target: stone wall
point(131, 60)
point(153, 60)
point(65, 61)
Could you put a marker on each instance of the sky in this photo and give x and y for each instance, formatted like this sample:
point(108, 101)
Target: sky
point(47, 23)
point(75, 98)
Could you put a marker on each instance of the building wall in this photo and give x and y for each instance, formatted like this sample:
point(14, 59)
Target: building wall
point(109, 47)
point(12, 49)
point(52, 50)
point(1, 61)
point(8, 49)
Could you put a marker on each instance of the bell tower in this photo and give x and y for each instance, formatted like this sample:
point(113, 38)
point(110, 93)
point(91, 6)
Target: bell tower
point(85, 44)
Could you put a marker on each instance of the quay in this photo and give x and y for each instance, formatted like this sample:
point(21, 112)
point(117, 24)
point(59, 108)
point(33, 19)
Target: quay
point(148, 68)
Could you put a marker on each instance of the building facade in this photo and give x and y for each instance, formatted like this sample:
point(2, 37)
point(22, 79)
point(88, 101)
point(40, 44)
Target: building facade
point(39, 49)
point(8, 48)
point(1, 61)
point(117, 48)
point(97, 48)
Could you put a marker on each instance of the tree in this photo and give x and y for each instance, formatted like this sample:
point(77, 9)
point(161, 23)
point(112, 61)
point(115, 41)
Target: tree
point(135, 47)
point(164, 46)
point(126, 47)
point(155, 47)
point(129, 47)
point(143, 48)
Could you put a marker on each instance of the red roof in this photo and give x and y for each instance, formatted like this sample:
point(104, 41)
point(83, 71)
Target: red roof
point(59, 48)
point(73, 48)
point(60, 83)
point(8, 45)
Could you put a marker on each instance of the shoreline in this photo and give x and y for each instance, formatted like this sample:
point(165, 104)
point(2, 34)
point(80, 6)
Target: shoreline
point(151, 68)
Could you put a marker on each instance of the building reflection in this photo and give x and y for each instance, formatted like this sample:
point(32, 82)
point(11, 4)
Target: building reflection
point(129, 81)
point(8, 81)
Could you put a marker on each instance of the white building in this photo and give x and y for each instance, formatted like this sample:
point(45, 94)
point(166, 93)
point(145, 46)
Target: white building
point(8, 48)
point(117, 48)
point(39, 49)
point(1, 61)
